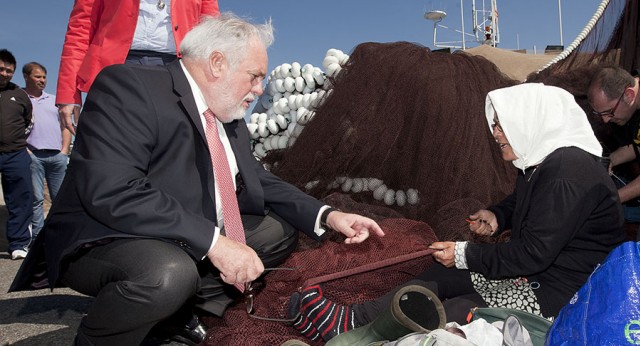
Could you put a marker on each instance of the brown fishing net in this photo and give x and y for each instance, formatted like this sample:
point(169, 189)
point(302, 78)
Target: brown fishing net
point(413, 119)
point(403, 236)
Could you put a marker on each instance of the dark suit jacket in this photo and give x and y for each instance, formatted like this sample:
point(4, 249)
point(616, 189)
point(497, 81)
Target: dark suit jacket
point(140, 167)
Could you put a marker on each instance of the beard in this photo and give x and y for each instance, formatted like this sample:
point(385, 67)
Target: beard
point(232, 110)
point(235, 111)
point(238, 111)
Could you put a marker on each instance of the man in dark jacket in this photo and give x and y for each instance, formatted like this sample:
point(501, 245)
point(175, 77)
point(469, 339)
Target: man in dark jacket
point(15, 124)
point(614, 95)
point(162, 183)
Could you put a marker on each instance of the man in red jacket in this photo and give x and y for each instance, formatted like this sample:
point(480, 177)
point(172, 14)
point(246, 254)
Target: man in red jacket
point(103, 33)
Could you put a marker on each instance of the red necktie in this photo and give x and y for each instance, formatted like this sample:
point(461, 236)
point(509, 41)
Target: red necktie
point(222, 173)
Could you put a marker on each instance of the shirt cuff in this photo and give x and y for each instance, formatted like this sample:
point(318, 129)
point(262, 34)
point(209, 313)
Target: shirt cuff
point(216, 235)
point(317, 229)
point(460, 254)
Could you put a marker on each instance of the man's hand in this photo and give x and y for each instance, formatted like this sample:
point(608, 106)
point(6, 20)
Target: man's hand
point(622, 155)
point(355, 227)
point(66, 112)
point(236, 262)
point(630, 191)
point(445, 254)
point(483, 222)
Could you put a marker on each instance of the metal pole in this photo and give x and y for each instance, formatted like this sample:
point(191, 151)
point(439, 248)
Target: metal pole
point(462, 24)
point(560, 17)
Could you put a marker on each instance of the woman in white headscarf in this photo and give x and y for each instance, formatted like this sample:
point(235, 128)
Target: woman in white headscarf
point(564, 216)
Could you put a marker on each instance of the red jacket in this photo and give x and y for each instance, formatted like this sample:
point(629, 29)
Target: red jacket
point(100, 33)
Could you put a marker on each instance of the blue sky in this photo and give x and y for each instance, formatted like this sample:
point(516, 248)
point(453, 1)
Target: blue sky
point(305, 30)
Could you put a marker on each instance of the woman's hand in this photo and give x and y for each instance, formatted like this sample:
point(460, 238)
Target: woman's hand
point(445, 254)
point(483, 222)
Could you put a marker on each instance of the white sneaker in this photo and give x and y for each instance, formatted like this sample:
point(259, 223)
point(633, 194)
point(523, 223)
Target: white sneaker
point(18, 254)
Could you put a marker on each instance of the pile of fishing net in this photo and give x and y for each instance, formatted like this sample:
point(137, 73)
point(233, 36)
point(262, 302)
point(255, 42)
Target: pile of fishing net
point(403, 127)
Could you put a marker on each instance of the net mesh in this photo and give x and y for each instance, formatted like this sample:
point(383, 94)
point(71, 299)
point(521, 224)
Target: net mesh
point(402, 236)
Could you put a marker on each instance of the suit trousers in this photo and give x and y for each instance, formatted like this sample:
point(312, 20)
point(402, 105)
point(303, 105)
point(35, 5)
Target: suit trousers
point(140, 282)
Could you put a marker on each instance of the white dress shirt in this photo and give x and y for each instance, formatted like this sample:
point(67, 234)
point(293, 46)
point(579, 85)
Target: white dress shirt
point(154, 30)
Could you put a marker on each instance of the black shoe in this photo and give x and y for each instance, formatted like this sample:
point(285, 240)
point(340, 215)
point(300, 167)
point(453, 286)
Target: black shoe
point(192, 333)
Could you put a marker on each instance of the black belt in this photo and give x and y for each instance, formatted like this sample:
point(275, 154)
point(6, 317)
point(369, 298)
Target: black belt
point(44, 151)
point(139, 53)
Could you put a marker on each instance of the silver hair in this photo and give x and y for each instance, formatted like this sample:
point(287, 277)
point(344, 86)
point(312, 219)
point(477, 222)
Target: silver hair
point(228, 34)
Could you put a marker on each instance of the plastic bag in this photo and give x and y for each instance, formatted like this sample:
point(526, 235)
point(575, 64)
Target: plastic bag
point(536, 326)
point(606, 309)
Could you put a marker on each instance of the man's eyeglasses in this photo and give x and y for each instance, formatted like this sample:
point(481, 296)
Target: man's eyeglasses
point(496, 125)
point(609, 113)
point(252, 288)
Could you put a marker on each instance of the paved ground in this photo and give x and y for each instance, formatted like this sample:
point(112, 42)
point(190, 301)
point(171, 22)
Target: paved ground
point(36, 318)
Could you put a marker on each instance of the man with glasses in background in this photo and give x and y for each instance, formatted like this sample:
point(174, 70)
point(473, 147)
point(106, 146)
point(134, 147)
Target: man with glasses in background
point(613, 95)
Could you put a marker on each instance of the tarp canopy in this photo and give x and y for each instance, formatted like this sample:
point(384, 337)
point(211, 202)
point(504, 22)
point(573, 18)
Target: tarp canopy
point(514, 64)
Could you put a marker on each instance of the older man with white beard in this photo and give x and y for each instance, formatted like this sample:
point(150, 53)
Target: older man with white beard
point(164, 209)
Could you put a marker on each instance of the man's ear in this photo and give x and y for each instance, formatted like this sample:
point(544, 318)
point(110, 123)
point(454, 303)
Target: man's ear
point(217, 64)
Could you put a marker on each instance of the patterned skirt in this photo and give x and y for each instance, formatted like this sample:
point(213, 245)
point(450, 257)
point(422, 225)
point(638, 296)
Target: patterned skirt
point(508, 293)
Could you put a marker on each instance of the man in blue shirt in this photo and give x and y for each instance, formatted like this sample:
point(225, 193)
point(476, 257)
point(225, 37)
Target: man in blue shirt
point(48, 143)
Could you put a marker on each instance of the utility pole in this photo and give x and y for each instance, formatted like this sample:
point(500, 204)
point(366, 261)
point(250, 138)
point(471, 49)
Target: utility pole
point(560, 20)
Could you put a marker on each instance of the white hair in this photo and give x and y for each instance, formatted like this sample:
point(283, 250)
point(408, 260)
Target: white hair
point(227, 34)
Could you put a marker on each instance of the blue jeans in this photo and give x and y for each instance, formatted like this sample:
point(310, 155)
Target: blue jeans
point(50, 165)
point(18, 196)
point(631, 214)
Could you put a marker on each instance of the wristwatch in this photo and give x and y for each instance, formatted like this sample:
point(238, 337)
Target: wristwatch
point(323, 218)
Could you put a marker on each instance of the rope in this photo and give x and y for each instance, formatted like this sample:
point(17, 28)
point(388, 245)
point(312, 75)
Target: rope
point(367, 267)
point(596, 16)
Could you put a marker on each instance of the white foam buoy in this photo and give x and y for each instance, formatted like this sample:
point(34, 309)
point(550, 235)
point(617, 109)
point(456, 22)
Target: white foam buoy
point(379, 192)
point(412, 196)
point(401, 198)
point(346, 186)
point(389, 197)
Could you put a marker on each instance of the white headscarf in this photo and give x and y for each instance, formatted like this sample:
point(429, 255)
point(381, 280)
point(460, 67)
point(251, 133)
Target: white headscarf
point(537, 119)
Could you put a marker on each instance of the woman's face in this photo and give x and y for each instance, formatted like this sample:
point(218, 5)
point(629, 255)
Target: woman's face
point(501, 139)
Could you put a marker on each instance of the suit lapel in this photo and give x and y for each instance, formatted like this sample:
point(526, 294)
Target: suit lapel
point(182, 88)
